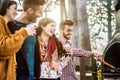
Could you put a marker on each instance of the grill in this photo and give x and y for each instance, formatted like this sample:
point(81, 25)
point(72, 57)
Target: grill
point(112, 55)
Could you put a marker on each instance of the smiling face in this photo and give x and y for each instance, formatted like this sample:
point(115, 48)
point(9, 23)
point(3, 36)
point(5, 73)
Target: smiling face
point(11, 12)
point(49, 29)
point(33, 9)
point(66, 27)
point(35, 13)
point(67, 32)
point(46, 28)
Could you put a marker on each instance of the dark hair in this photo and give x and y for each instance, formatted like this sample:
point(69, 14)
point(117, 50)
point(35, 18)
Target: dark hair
point(60, 49)
point(65, 22)
point(4, 5)
point(32, 4)
point(44, 22)
point(117, 6)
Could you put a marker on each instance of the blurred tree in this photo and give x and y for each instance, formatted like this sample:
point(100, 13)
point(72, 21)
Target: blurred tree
point(101, 22)
point(117, 9)
point(82, 19)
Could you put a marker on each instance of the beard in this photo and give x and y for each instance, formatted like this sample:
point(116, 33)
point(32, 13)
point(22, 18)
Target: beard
point(65, 36)
point(33, 20)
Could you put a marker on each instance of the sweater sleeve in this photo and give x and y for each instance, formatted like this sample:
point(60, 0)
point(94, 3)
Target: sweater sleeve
point(80, 52)
point(11, 43)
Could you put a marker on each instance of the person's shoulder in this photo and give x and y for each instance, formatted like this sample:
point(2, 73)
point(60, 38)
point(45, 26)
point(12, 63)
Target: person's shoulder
point(19, 24)
point(2, 18)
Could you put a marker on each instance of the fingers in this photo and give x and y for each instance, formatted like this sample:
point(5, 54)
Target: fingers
point(68, 50)
point(98, 57)
point(54, 65)
point(31, 30)
point(68, 58)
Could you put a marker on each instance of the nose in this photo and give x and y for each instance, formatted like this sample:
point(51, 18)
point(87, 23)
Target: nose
point(70, 33)
point(16, 12)
point(54, 29)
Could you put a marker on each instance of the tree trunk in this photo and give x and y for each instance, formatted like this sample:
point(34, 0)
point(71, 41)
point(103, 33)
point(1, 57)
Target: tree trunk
point(117, 20)
point(84, 37)
point(109, 20)
point(62, 10)
point(71, 14)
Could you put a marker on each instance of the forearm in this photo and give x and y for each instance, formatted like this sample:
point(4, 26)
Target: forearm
point(80, 52)
point(11, 43)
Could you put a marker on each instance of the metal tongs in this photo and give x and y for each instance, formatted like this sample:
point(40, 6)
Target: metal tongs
point(111, 66)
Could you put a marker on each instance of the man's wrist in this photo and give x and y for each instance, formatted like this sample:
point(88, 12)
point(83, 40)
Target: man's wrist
point(91, 54)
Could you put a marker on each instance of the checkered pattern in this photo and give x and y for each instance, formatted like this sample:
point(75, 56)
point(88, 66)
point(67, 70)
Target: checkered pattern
point(68, 72)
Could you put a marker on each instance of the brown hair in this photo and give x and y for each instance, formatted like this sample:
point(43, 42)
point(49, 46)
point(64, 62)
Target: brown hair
point(32, 4)
point(44, 22)
point(65, 22)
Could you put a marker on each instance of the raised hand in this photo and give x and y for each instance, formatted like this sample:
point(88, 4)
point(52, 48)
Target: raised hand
point(31, 30)
point(54, 65)
point(98, 57)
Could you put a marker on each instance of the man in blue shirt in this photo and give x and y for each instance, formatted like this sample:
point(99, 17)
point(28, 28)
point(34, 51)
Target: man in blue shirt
point(32, 9)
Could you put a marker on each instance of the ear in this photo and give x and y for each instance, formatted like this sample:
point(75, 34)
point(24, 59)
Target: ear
point(30, 10)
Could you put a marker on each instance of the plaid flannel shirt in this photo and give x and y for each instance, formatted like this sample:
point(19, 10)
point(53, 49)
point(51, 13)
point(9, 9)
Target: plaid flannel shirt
point(68, 73)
